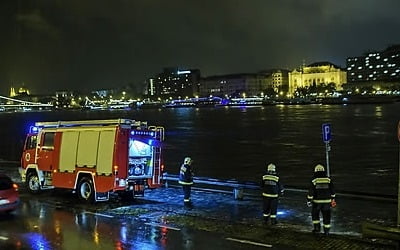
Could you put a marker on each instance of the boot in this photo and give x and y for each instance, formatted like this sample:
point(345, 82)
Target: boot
point(273, 221)
point(317, 228)
point(326, 231)
point(188, 204)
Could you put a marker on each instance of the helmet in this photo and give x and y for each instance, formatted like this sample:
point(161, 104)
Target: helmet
point(319, 168)
point(187, 160)
point(271, 167)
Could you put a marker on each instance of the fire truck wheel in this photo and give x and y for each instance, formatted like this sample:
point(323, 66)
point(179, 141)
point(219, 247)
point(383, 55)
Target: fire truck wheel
point(85, 189)
point(32, 183)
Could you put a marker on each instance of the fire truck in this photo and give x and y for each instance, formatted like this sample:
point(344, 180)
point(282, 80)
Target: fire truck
point(93, 158)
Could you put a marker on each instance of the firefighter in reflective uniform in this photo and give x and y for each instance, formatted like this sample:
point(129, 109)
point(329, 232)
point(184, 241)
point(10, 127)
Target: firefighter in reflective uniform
point(271, 188)
point(186, 180)
point(321, 196)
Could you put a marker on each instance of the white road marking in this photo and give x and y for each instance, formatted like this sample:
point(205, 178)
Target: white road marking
point(103, 215)
point(3, 238)
point(161, 225)
point(249, 242)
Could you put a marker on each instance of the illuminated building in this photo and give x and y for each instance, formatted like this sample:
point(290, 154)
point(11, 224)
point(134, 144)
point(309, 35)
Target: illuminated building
point(317, 74)
point(12, 92)
point(175, 83)
point(375, 67)
point(279, 80)
point(22, 91)
point(251, 84)
point(233, 85)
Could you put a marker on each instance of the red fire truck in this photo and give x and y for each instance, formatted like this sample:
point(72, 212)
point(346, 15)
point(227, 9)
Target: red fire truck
point(93, 157)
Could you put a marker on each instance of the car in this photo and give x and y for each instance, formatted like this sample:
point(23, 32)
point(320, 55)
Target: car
point(9, 196)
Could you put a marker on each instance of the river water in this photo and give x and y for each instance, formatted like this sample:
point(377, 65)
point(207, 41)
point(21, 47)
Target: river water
point(239, 142)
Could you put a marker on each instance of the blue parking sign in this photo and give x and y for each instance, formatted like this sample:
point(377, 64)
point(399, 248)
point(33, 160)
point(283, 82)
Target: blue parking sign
point(326, 132)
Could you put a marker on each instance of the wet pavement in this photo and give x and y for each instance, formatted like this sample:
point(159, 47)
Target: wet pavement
point(242, 219)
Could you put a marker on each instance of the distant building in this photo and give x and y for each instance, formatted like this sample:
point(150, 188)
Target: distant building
point(317, 74)
point(22, 91)
point(267, 82)
point(175, 83)
point(374, 67)
point(279, 80)
point(233, 85)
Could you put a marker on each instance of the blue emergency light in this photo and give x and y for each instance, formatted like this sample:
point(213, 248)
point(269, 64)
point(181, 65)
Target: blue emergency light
point(143, 133)
point(33, 130)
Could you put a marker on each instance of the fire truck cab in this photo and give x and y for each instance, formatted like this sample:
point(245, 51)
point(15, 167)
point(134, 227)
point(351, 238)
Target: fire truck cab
point(93, 157)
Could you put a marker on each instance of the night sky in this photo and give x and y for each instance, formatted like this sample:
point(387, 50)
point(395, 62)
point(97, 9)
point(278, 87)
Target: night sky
point(54, 45)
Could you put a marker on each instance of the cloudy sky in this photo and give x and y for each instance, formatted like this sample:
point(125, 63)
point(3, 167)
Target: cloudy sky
point(54, 45)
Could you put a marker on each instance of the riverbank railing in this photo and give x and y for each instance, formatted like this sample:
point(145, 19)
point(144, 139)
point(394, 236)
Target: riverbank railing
point(253, 188)
point(235, 186)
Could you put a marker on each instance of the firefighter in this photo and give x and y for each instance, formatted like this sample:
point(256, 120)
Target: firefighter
point(271, 188)
point(321, 196)
point(186, 180)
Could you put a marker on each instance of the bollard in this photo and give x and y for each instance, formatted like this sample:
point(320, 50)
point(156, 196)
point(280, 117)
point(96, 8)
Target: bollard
point(238, 193)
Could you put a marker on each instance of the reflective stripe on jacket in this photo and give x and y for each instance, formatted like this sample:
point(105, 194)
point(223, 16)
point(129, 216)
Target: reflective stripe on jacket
point(270, 185)
point(186, 175)
point(321, 190)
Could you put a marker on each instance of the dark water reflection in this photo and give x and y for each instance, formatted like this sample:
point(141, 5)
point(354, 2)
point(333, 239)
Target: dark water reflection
point(238, 142)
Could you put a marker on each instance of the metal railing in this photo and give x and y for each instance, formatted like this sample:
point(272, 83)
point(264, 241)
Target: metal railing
point(239, 186)
point(236, 186)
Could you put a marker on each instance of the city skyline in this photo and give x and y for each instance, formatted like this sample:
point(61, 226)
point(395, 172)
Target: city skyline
point(81, 46)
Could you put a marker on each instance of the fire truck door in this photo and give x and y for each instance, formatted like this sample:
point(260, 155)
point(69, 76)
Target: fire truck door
point(28, 154)
point(45, 151)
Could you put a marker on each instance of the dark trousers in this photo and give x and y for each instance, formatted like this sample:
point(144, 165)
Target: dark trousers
point(186, 193)
point(270, 207)
point(325, 209)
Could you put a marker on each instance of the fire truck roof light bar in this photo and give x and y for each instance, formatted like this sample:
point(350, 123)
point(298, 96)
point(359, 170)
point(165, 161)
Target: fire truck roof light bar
point(90, 122)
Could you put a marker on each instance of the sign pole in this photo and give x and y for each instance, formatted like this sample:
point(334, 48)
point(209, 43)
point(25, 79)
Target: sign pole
point(327, 149)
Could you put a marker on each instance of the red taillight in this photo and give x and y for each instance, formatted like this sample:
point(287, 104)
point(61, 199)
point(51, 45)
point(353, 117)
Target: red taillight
point(15, 186)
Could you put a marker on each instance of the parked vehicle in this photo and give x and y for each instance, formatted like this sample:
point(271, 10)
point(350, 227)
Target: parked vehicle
point(93, 157)
point(9, 196)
